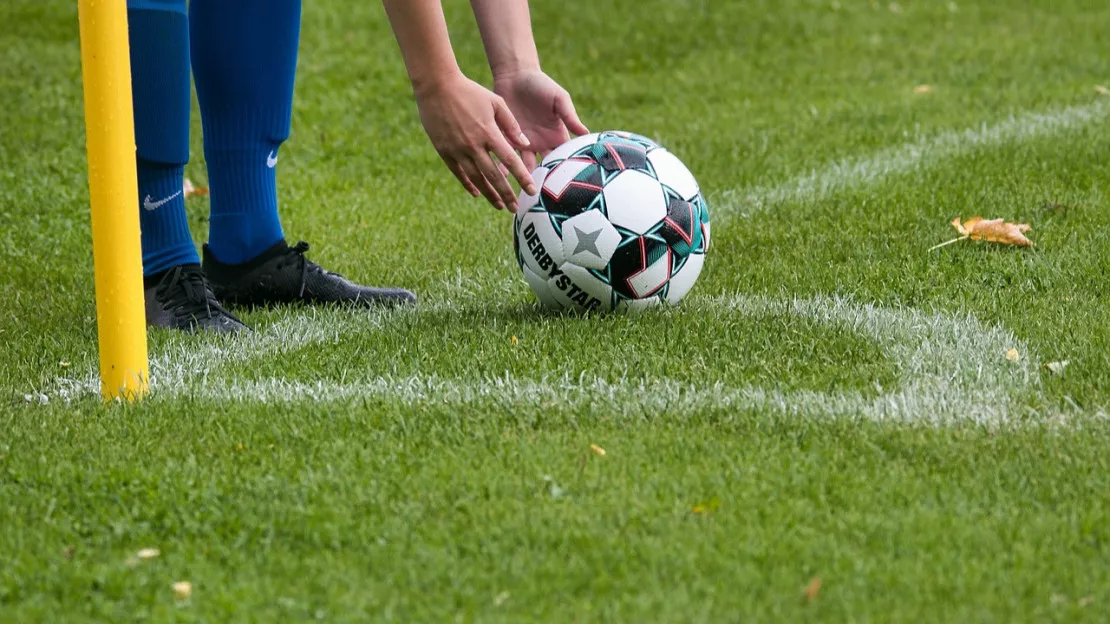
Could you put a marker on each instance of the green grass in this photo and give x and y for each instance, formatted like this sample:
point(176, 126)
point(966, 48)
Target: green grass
point(405, 505)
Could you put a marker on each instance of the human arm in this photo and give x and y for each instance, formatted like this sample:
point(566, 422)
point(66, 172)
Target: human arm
point(544, 110)
point(464, 121)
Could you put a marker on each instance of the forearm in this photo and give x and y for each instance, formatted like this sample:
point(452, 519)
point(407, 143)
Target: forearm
point(506, 28)
point(421, 33)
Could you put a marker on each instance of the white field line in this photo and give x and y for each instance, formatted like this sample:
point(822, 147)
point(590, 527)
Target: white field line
point(855, 173)
point(951, 369)
point(189, 358)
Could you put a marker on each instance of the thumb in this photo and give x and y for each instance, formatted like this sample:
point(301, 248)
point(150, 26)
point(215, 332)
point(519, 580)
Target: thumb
point(564, 108)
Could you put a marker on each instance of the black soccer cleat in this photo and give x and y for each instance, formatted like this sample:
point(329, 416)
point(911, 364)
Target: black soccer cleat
point(282, 274)
point(181, 299)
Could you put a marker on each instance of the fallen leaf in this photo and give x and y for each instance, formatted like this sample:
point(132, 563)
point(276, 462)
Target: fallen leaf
point(597, 450)
point(63, 364)
point(708, 507)
point(992, 230)
point(1013, 355)
point(148, 553)
point(182, 590)
point(922, 89)
point(500, 599)
point(513, 339)
point(1101, 90)
point(192, 190)
point(813, 588)
point(1057, 368)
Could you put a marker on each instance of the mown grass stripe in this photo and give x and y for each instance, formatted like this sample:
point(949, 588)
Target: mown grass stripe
point(871, 170)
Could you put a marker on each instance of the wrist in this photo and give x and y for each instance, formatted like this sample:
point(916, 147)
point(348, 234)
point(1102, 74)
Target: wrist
point(434, 79)
point(508, 70)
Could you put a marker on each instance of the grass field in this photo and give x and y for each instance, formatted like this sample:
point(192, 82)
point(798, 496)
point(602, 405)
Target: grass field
point(832, 402)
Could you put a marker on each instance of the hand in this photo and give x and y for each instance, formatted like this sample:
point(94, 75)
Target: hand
point(543, 108)
point(466, 122)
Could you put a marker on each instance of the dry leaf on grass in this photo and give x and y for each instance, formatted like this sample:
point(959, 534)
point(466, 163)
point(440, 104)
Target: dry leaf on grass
point(994, 231)
point(990, 230)
point(1013, 355)
point(813, 588)
point(708, 507)
point(597, 450)
point(192, 190)
point(922, 89)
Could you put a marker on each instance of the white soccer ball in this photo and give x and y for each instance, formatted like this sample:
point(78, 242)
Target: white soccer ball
point(619, 223)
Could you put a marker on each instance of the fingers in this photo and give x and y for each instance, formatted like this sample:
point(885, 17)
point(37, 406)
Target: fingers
point(564, 108)
point(470, 159)
point(475, 174)
point(509, 125)
point(515, 165)
point(463, 178)
point(500, 184)
point(530, 161)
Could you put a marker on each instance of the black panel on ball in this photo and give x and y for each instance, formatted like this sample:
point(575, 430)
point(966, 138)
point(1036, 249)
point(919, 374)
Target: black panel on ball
point(632, 258)
point(619, 156)
point(578, 195)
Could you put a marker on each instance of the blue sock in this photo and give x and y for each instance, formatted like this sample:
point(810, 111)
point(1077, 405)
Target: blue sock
point(159, 39)
point(244, 59)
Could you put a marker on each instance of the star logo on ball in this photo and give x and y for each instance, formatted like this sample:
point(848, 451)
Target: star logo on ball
point(587, 241)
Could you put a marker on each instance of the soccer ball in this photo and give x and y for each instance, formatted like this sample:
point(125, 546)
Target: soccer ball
point(619, 223)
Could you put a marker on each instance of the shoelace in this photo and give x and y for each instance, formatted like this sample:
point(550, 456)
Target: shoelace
point(299, 250)
point(185, 290)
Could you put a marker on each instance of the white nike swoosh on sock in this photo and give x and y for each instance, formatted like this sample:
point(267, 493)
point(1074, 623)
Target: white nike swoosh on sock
point(271, 160)
point(155, 205)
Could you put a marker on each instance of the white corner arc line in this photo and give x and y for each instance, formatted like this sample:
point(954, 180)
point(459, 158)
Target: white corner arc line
point(952, 369)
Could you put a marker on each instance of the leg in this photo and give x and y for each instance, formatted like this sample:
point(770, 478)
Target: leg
point(177, 295)
point(244, 58)
point(159, 37)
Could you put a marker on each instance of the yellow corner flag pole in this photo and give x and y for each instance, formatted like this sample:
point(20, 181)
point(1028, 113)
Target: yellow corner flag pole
point(113, 191)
